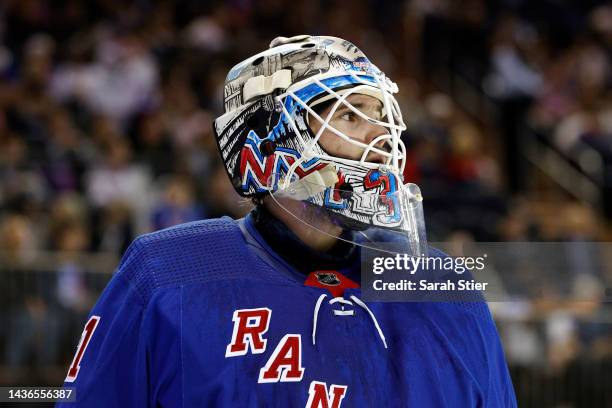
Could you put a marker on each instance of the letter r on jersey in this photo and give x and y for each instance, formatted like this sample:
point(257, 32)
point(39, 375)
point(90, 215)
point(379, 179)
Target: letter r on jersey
point(318, 396)
point(249, 327)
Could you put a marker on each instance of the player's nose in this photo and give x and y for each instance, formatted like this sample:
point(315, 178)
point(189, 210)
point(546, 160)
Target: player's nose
point(372, 132)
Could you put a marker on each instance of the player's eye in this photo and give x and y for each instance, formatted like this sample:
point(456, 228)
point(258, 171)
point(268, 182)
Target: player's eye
point(348, 116)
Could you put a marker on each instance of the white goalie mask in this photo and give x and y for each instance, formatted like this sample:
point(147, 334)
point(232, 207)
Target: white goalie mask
point(269, 145)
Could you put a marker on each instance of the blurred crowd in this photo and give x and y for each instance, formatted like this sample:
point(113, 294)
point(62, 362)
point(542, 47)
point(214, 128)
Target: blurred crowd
point(106, 112)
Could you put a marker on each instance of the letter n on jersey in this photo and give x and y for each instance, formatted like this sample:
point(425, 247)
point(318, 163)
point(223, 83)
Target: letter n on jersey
point(318, 397)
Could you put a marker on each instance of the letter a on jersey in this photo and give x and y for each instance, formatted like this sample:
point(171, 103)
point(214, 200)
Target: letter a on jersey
point(285, 363)
point(318, 397)
point(249, 327)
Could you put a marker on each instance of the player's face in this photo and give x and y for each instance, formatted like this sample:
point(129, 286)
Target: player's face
point(354, 126)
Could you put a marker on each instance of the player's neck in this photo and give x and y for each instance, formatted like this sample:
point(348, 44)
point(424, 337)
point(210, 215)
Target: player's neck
point(315, 230)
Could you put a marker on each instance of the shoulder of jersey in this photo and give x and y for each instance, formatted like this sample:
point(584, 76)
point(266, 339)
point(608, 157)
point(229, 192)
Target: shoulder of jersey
point(193, 234)
point(194, 252)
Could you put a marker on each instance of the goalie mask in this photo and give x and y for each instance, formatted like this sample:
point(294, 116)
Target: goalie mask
point(281, 103)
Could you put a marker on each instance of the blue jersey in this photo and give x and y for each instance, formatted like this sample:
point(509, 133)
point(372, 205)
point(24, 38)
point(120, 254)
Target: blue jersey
point(205, 314)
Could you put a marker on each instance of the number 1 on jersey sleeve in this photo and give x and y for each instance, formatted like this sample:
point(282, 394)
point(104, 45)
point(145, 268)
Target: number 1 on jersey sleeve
point(88, 332)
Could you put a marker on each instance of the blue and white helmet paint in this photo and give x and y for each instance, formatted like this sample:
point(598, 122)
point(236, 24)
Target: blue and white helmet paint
point(268, 146)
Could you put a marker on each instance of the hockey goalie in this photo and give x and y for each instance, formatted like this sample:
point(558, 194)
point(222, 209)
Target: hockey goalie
point(267, 311)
